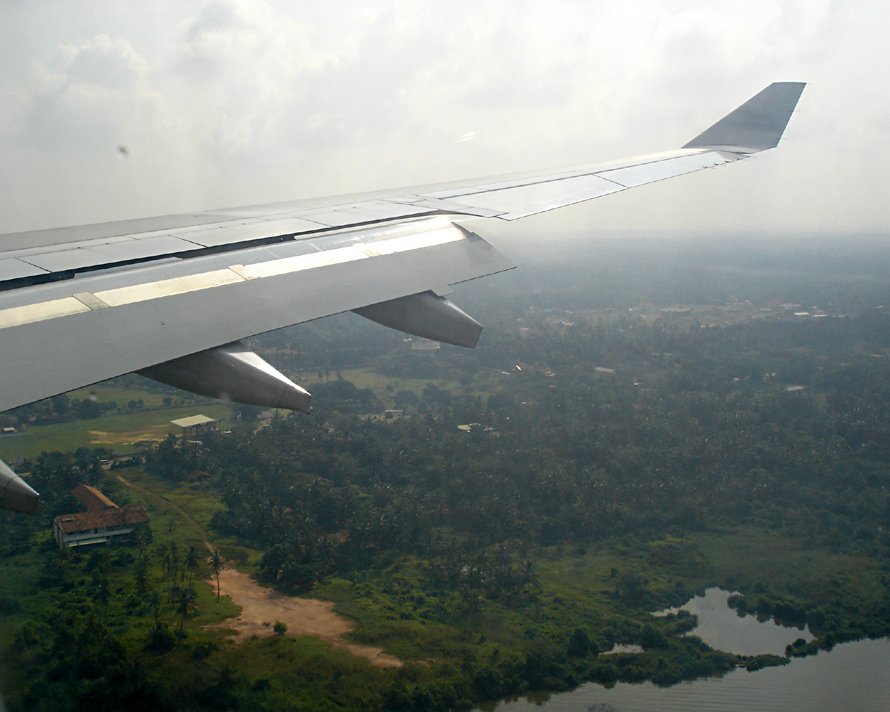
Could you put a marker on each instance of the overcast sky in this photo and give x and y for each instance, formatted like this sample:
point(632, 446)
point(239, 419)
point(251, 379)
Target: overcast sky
point(111, 110)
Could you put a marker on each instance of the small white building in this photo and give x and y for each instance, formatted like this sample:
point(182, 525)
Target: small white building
point(196, 425)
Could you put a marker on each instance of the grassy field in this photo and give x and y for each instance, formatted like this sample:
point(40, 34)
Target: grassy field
point(119, 430)
point(115, 430)
point(182, 513)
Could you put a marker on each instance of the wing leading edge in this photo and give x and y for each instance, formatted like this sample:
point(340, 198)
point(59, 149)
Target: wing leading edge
point(171, 297)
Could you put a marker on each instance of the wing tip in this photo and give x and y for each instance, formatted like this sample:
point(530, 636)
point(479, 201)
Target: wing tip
point(756, 125)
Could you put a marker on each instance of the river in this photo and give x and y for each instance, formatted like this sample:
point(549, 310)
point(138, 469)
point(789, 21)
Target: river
point(853, 676)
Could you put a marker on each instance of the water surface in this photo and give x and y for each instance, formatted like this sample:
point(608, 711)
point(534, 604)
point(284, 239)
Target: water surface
point(852, 677)
point(723, 629)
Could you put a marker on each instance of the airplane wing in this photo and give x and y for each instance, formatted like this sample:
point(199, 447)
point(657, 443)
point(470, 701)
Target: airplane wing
point(171, 297)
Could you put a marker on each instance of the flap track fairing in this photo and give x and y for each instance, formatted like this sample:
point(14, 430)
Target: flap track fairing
point(427, 315)
point(232, 372)
point(15, 494)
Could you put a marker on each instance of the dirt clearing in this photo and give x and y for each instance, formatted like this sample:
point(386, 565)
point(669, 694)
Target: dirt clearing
point(261, 607)
point(153, 432)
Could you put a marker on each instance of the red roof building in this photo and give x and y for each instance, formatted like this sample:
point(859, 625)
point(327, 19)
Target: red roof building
point(105, 527)
point(92, 499)
point(104, 523)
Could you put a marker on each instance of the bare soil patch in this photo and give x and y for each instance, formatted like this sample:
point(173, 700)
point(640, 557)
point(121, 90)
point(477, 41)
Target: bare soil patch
point(262, 606)
point(152, 432)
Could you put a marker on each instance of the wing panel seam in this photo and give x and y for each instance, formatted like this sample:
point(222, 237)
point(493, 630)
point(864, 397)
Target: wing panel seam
point(232, 274)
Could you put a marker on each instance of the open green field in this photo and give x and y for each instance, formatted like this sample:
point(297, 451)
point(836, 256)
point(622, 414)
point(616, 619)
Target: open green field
point(181, 513)
point(110, 391)
point(115, 430)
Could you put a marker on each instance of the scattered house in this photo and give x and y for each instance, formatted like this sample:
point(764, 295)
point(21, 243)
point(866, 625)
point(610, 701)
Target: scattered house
point(196, 425)
point(603, 369)
point(117, 460)
point(795, 389)
point(393, 413)
point(340, 537)
point(477, 428)
point(10, 431)
point(264, 419)
point(104, 523)
point(199, 476)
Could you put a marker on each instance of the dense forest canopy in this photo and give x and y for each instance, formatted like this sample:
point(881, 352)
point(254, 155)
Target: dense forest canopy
point(644, 414)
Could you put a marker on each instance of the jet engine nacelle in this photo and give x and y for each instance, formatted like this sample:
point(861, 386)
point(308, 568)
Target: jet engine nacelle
point(15, 494)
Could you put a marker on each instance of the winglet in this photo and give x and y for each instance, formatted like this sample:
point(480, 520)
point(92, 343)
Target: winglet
point(757, 124)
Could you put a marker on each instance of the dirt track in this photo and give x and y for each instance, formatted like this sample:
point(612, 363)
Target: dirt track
point(261, 607)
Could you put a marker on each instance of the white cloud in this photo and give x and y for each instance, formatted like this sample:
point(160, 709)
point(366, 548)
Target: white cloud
point(230, 101)
point(88, 95)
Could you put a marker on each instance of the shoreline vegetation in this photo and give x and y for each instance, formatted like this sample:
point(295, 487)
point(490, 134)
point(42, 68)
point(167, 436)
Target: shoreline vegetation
point(528, 508)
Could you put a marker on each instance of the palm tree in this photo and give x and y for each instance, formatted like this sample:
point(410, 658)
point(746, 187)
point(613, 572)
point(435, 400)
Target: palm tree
point(164, 551)
point(530, 577)
point(140, 578)
point(140, 538)
point(185, 603)
point(103, 592)
point(191, 561)
point(174, 561)
point(217, 564)
point(154, 602)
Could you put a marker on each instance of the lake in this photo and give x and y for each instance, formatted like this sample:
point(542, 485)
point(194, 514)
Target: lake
point(853, 676)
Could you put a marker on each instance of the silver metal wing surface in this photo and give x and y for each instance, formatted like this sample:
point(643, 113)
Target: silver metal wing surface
point(172, 296)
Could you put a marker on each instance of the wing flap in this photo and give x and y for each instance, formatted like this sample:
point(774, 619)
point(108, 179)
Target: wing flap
point(756, 125)
point(17, 269)
point(521, 201)
point(367, 212)
point(634, 176)
point(511, 200)
point(162, 312)
point(508, 200)
point(101, 254)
